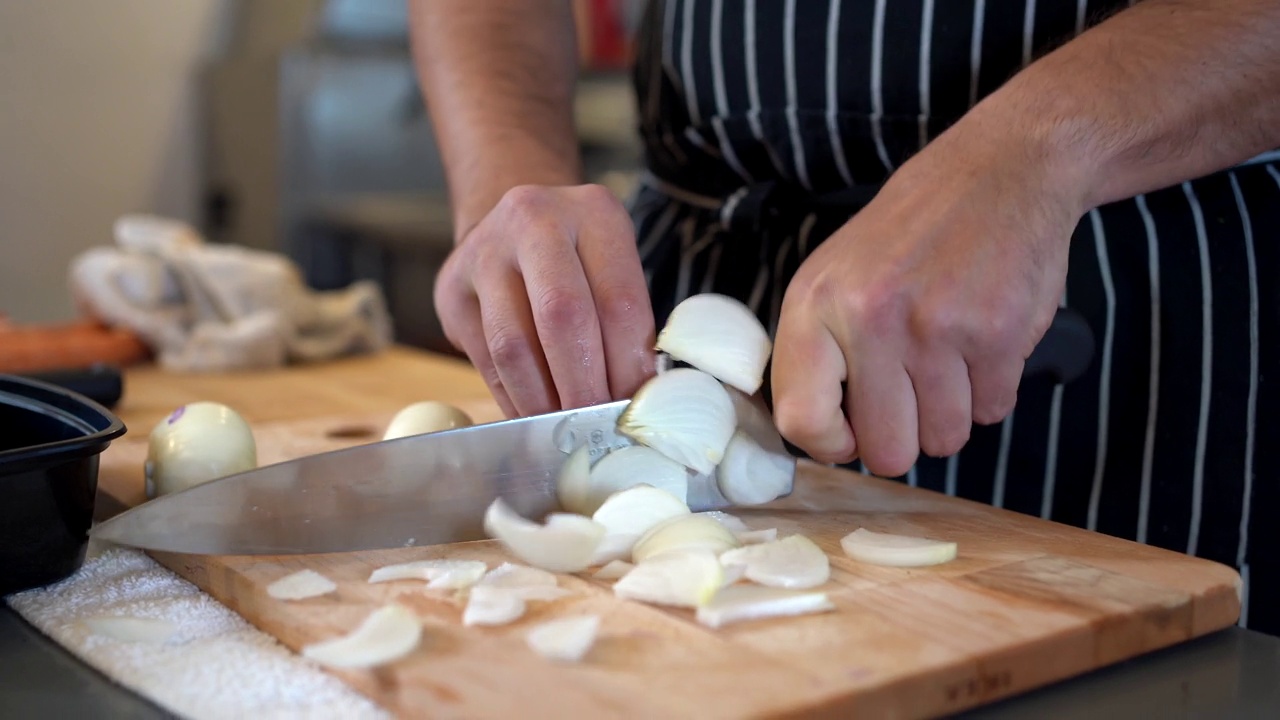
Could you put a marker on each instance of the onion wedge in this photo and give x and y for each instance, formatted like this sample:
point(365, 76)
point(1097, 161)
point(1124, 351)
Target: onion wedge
point(896, 550)
point(754, 537)
point(573, 483)
point(301, 585)
point(792, 562)
point(679, 579)
point(719, 335)
point(732, 523)
point(565, 543)
point(741, 603)
point(629, 514)
point(388, 634)
point(527, 583)
point(684, 414)
point(631, 466)
point(566, 640)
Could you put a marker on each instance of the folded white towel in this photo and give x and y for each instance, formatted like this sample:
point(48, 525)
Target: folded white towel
point(216, 665)
point(211, 307)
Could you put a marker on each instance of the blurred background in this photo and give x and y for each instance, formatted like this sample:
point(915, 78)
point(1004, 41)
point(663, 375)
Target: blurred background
point(294, 126)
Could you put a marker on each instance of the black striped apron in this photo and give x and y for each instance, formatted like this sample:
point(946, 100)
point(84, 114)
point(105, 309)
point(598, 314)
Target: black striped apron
point(767, 123)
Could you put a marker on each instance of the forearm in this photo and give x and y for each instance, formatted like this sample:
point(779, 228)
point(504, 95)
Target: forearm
point(1165, 91)
point(498, 77)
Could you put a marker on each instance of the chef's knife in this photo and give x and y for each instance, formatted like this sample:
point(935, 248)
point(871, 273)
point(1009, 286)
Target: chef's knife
point(434, 488)
point(418, 490)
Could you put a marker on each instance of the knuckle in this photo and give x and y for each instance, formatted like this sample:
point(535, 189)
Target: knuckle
point(993, 407)
point(797, 424)
point(890, 461)
point(875, 308)
point(562, 308)
point(595, 193)
point(623, 307)
point(524, 199)
point(508, 348)
point(946, 441)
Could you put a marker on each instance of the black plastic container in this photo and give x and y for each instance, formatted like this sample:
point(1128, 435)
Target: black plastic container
point(50, 440)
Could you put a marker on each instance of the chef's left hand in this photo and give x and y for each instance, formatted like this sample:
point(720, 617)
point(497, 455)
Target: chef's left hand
point(926, 303)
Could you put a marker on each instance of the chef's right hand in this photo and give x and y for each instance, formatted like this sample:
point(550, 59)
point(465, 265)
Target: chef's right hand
point(547, 298)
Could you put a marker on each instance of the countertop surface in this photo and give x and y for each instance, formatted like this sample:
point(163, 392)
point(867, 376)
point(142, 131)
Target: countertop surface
point(1231, 674)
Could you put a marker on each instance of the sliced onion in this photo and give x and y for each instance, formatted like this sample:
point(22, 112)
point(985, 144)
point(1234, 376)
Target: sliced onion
point(527, 583)
point(388, 634)
point(565, 640)
point(493, 605)
point(792, 562)
point(719, 335)
point(753, 537)
point(681, 534)
point(613, 547)
point(741, 603)
point(132, 629)
point(680, 579)
point(440, 574)
point(301, 585)
point(573, 483)
point(635, 510)
point(732, 523)
point(613, 570)
point(566, 543)
point(684, 414)
point(896, 550)
point(751, 475)
point(733, 573)
point(628, 467)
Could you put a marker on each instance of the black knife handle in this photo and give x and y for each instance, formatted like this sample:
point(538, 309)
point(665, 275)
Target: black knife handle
point(1066, 350)
point(101, 383)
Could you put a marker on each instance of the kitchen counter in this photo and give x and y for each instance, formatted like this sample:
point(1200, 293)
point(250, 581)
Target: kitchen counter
point(1230, 674)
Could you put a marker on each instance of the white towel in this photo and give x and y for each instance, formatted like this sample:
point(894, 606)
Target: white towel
point(215, 666)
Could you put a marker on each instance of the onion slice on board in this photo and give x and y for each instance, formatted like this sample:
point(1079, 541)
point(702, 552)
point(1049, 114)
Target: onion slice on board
point(741, 603)
point(896, 550)
point(679, 579)
point(755, 537)
point(388, 634)
point(301, 585)
point(493, 605)
point(527, 583)
point(442, 574)
point(565, 543)
point(792, 562)
point(732, 523)
point(566, 639)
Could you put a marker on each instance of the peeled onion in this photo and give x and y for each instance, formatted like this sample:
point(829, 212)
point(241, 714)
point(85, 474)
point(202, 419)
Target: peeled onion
point(719, 335)
point(565, 543)
point(630, 466)
point(751, 475)
point(792, 562)
point(301, 585)
point(684, 414)
point(679, 579)
point(681, 534)
point(573, 483)
point(896, 550)
point(740, 603)
point(196, 443)
point(566, 640)
point(388, 634)
point(613, 570)
point(628, 514)
point(425, 417)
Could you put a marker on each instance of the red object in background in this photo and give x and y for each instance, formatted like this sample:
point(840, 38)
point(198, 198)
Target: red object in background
point(38, 348)
point(611, 46)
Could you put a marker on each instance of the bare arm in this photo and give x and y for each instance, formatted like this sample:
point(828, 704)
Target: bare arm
point(1162, 92)
point(498, 76)
point(544, 290)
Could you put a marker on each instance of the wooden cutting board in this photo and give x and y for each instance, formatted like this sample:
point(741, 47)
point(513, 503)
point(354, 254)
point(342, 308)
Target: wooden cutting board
point(1026, 603)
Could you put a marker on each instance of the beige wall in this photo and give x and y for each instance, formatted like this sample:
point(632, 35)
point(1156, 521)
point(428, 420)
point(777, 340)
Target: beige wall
point(98, 117)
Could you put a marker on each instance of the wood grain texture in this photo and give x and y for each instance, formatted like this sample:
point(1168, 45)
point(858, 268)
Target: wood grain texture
point(1026, 603)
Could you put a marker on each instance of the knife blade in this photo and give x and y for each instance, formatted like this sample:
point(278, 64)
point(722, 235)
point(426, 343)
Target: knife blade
point(418, 490)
